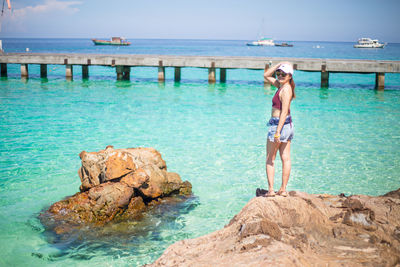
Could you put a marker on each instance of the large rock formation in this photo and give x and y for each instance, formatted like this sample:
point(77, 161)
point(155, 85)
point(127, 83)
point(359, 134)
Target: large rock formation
point(116, 185)
point(300, 230)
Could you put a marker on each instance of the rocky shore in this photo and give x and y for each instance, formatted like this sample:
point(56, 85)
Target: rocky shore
point(116, 185)
point(300, 230)
point(119, 186)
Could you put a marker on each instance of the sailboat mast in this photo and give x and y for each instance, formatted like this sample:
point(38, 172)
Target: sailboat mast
point(2, 12)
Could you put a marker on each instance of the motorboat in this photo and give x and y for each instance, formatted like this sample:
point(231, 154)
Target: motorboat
point(284, 44)
point(368, 43)
point(262, 42)
point(113, 41)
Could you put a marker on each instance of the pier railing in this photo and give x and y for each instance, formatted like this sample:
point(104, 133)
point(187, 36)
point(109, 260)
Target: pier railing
point(123, 64)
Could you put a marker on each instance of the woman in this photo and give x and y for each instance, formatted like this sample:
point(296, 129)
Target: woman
point(280, 132)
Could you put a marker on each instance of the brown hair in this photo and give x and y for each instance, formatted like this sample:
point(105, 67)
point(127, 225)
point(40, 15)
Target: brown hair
point(293, 85)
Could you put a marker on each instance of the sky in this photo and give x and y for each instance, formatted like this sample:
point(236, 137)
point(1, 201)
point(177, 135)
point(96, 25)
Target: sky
point(289, 20)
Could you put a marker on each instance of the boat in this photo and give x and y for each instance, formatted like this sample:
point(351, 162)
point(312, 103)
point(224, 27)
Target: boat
point(113, 41)
point(284, 45)
point(262, 42)
point(368, 43)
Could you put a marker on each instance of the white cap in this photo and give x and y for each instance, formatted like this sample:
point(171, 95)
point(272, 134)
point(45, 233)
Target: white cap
point(286, 68)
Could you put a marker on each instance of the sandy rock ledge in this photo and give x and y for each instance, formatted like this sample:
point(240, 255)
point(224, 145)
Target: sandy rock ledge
point(300, 230)
point(116, 185)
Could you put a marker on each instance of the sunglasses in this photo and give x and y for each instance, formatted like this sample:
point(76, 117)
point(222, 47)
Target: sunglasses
point(280, 73)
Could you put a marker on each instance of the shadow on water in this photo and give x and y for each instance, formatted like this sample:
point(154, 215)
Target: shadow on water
point(161, 84)
point(324, 93)
point(120, 239)
point(123, 84)
point(222, 87)
point(177, 84)
point(219, 88)
point(380, 95)
point(85, 83)
point(44, 80)
point(211, 87)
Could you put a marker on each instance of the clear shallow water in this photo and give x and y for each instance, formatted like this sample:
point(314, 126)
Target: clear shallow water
point(346, 140)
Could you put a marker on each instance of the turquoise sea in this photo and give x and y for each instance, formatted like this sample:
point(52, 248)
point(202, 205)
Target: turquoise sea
point(347, 140)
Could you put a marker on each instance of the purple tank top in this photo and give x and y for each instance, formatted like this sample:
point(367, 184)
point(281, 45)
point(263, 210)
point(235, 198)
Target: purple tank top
point(276, 102)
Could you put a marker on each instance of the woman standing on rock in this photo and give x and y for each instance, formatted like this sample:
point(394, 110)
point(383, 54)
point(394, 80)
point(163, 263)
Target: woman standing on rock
point(280, 132)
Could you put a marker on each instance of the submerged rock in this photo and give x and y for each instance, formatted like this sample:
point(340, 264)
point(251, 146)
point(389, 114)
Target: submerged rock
point(300, 230)
point(116, 185)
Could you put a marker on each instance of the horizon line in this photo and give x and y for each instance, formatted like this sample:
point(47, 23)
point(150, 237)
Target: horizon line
point(197, 39)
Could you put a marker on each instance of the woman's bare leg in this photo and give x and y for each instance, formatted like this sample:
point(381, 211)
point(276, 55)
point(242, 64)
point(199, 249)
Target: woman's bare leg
point(272, 148)
point(284, 152)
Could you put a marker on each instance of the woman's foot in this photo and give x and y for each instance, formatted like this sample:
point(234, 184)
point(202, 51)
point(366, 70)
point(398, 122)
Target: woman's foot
point(282, 193)
point(270, 193)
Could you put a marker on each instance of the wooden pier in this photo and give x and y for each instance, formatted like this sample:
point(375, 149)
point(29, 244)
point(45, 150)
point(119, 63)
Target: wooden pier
point(123, 64)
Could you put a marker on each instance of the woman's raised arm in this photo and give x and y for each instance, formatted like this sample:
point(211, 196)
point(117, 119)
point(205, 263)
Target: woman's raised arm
point(269, 71)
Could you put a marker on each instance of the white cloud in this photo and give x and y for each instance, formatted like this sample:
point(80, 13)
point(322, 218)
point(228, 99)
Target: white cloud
point(48, 6)
point(20, 19)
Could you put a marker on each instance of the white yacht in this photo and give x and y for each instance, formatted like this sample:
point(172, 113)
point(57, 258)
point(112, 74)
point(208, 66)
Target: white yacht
point(262, 42)
point(368, 43)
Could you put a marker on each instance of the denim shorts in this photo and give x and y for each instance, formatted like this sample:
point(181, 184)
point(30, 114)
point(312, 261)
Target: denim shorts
point(287, 131)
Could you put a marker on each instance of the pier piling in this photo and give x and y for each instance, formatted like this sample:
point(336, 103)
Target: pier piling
point(68, 71)
point(266, 67)
point(324, 79)
point(211, 73)
point(85, 72)
point(380, 81)
point(324, 76)
point(120, 71)
point(123, 72)
point(161, 71)
point(43, 70)
point(3, 69)
point(177, 74)
point(222, 75)
point(126, 73)
point(24, 71)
